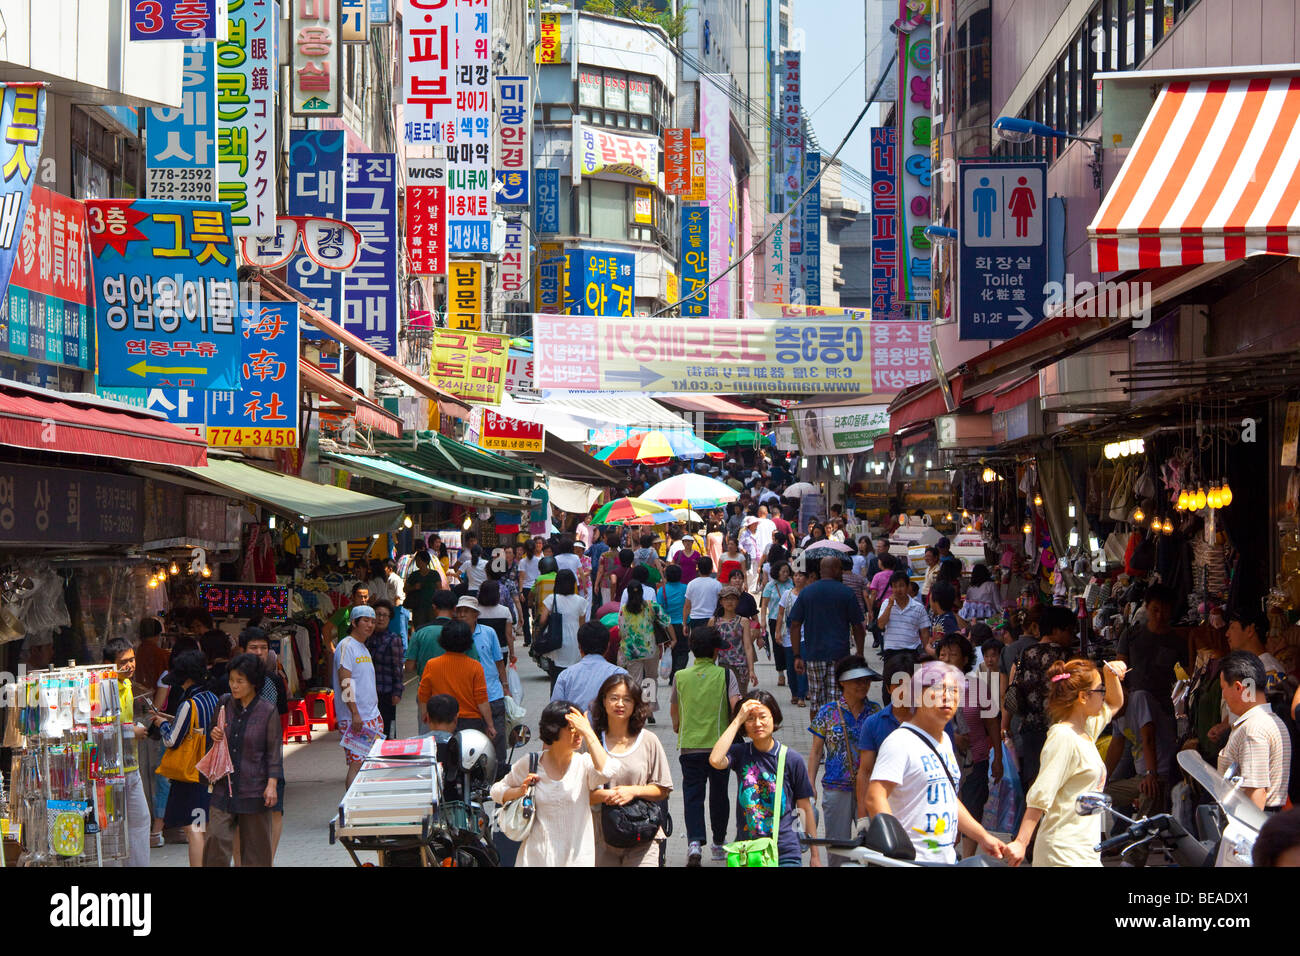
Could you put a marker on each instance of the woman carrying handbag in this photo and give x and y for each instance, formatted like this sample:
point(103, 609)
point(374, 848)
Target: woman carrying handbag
point(186, 741)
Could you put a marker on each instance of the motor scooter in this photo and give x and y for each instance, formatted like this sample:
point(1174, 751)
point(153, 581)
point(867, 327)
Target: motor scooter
point(1240, 819)
point(885, 842)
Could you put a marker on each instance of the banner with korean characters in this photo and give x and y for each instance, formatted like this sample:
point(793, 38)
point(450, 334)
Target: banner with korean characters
point(166, 295)
point(677, 161)
point(48, 314)
point(316, 63)
point(22, 117)
point(514, 106)
point(728, 356)
point(316, 188)
point(548, 39)
point(715, 113)
point(263, 413)
point(914, 162)
point(695, 260)
point(41, 505)
point(699, 170)
point(597, 152)
point(608, 282)
point(470, 365)
point(511, 271)
point(465, 295)
point(812, 231)
point(354, 21)
point(552, 278)
point(885, 300)
point(774, 281)
point(426, 217)
point(178, 20)
point(547, 204)
point(503, 433)
point(370, 287)
point(181, 144)
point(519, 375)
point(246, 148)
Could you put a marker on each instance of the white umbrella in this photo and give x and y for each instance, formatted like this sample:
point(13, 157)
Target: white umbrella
point(838, 546)
point(798, 490)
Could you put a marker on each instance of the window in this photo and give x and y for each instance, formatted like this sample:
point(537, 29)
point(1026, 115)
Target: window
point(618, 100)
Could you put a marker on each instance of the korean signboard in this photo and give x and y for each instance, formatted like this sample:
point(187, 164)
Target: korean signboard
point(426, 217)
point(181, 144)
point(643, 208)
point(699, 164)
point(464, 295)
point(597, 152)
point(775, 260)
point(469, 365)
point(316, 67)
point(263, 413)
point(884, 224)
point(913, 155)
point(608, 282)
point(841, 430)
point(380, 11)
point(695, 260)
point(178, 20)
point(677, 161)
point(551, 278)
point(727, 356)
point(22, 116)
point(316, 189)
point(183, 407)
point(519, 374)
point(1002, 266)
point(166, 295)
point(548, 41)
point(511, 274)
point(514, 160)
point(812, 231)
point(246, 150)
point(502, 433)
point(791, 118)
point(548, 200)
point(354, 21)
point(65, 506)
point(715, 113)
point(370, 287)
point(47, 315)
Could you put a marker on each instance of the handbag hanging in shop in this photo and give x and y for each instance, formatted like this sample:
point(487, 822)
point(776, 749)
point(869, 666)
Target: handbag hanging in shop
point(1121, 490)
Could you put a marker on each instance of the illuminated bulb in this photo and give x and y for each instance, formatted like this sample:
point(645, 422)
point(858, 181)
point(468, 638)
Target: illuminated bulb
point(1112, 451)
point(1038, 500)
point(469, 520)
point(1139, 515)
point(1155, 524)
point(374, 537)
point(1225, 494)
point(153, 582)
point(964, 514)
point(989, 475)
point(1070, 509)
point(173, 569)
point(304, 531)
point(407, 522)
point(1167, 527)
point(1199, 505)
point(1027, 528)
point(1074, 537)
point(1184, 500)
point(1093, 544)
point(206, 572)
point(1212, 498)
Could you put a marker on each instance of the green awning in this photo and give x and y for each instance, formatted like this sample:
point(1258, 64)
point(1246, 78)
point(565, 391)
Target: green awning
point(332, 514)
point(387, 471)
point(455, 455)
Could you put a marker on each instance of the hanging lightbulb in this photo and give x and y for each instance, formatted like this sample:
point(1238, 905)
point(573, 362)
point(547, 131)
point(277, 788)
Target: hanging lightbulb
point(1168, 526)
point(1212, 498)
point(407, 522)
point(1112, 451)
point(270, 522)
point(1027, 528)
point(989, 475)
point(1155, 524)
point(1200, 500)
point(469, 520)
point(1093, 544)
point(964, 514)
point(173, 569)
point(1070, 510)
point(1225, 494)
point(1184, 502)
point(1038, 500)
point(1139, 515)
point(1074, 536)
point(153, 582)
point(206, 572)
point(304, 531)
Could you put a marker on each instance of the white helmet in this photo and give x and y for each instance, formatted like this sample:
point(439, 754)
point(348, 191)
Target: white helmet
point(478, 757)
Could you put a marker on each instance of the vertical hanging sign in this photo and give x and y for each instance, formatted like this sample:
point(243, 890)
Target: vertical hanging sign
point(677, 161)
point(465, 295)
point(551, 278)
point(548, 200)
point(514, 258)
point(715, 113)
point(792, 166)
point(695, 260)
point(316, 65)
point(548, 40)
point(370, 287)
point(884, 224)
point(354, 21)
point(263, 413)
point(316, 189)
point(514, 109)
point(181, 144)
point(246, 152)
point(426, 217)
point(22, 117)
point(812, 231)
point(914, 152)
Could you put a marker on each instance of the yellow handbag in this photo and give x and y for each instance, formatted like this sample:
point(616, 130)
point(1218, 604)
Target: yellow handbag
point(180, 763)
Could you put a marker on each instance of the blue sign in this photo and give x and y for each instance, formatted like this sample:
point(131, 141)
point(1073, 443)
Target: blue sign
point(166, 294)
point(316, 189)
point(548, 201)
point(22, 117)
point(602, 283)
point(263, 413)
point(884, 224)
point(370, 288)
point(1002, 263)
point(812, 232)
point(379, 12)
point(181, 144)
point(174, 19)
point(695, 260)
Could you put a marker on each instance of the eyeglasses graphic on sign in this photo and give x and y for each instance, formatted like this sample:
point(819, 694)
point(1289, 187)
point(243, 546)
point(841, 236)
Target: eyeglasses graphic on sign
point(330, 243)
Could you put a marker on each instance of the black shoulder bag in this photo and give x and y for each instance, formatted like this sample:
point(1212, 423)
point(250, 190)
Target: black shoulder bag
point(551, 639)
point(634, 824)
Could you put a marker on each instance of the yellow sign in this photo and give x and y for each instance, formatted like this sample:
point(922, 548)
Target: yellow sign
point(698, 193)
point(470, 364)
point(252, 437)
point(673, 288)
point(464, 295)
point(551, 278)
point(644, 205)
point(548, 41)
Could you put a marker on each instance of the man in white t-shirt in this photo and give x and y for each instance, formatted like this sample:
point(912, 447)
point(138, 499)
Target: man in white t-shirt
point(354, 685)
point(915, 774)
point(906, 623)
point(701, 595)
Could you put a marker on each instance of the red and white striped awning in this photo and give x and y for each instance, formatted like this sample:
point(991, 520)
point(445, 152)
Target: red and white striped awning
point(1214, 176)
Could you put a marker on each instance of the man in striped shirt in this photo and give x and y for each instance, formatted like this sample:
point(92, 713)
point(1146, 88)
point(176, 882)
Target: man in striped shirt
point(905, 622)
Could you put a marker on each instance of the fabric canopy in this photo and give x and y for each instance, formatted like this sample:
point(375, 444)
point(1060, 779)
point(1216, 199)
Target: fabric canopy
point(715, 406)
point(366, 412)
point(386, 471)
point(1213, 176)
point(575, 497)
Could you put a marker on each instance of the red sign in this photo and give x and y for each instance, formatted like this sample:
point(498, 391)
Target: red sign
point(51, 255)
point(900, 355)
point(426, 217)
point(502, 433)
point(677, 161)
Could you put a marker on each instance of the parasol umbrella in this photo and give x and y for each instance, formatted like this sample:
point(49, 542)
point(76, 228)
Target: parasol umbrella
point(693, 490)
point(648, 448)
point(621, 509)
point(743, 438)
point(216, 764)
point(604, 453)
point(798, 490)
point(837, 547)
point(690, 446)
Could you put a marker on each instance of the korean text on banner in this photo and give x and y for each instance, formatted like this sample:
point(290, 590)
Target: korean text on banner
point(181, 157)
point(47, 506)
point(177, 20)
point(370, 287)
point(316, 67)
point(914, 155)
point(885, 303)
point(548, 40)
point(48, 315)
point(380, 11)
point(699, 167)
point(470, 365)
point(464, 295)
point(263, 413)
point(728, 356)
point(775, 260)
point(547, 201)
point(22, 117)
point(791, 118)
point(514, 112)
point(552, 278)
point(426, 217)
point(448, 103)
point(841, 430)
point(608, 282)
point(502, 433)
point(316, 189)
point(812, 231)
point(519, 374)
point(715, 113)
point(601, 153)
point(183, 407)
point(246, 150)
point(695, 260)
point(677, 161)
point(166, 294)
point(354, 21)
point(511, 270)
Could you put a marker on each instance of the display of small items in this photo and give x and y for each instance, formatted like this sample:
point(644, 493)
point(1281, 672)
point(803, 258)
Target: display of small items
point(68, 787)
point(242, 600)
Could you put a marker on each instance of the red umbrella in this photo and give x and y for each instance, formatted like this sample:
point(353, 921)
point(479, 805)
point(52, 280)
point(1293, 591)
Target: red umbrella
point(216, 763)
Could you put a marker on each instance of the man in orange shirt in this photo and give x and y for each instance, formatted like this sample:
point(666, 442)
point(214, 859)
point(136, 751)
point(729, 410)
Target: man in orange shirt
point(458, 674)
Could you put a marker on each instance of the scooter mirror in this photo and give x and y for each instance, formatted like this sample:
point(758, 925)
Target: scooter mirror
point(520, 735)
point(1091, 802)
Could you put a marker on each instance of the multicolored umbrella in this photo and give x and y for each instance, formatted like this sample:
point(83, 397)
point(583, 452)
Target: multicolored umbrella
point(692, 490)
point(622, 509)
point(744, 438)
point(648, 448)
point(690, 446)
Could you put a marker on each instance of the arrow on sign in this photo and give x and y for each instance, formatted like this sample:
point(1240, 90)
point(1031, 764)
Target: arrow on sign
point(642, 377)
point(1022, 318)
point(143, 368)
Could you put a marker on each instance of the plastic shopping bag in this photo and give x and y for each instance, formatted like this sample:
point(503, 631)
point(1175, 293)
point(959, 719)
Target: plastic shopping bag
point(665, 664)
point(1006, 797)
point(516, 685)
point(515, 713)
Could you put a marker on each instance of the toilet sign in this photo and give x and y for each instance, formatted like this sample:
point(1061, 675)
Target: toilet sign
point(1002, 233)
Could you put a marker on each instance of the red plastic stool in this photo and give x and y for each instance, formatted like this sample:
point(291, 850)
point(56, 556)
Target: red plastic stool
point(296, 724)
point(325, 697)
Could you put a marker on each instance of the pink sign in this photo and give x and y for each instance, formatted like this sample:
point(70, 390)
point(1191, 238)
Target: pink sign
point(715, 115)
point(900, 355)
point(567, 346)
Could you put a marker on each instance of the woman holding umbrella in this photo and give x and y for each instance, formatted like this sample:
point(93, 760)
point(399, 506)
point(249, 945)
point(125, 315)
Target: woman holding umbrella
point(248, 729)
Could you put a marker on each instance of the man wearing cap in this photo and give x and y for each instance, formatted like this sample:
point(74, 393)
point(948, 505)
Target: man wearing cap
point(488, 648)
point(354, 685)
